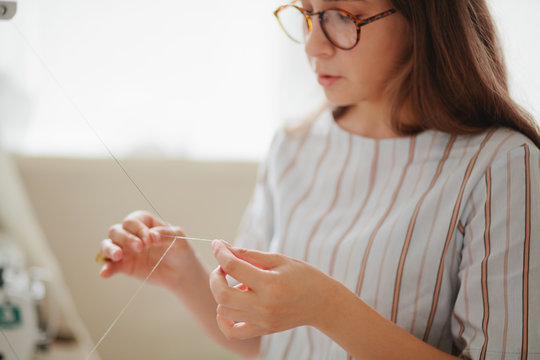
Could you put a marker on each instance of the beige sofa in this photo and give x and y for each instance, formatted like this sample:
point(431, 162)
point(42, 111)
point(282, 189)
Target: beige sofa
point(76, 200)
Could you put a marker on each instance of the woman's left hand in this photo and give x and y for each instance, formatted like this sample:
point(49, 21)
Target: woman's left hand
point(275, 293)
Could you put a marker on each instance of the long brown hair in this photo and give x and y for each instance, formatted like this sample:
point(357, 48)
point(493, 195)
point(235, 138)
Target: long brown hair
point(454, 79)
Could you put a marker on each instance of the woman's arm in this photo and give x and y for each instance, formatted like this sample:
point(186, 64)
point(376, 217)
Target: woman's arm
point(365, 333)
point(281, 293)
point(135, 246)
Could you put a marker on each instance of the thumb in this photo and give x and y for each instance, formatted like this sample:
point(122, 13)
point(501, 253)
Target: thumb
point(260, 259)
point(109, 269)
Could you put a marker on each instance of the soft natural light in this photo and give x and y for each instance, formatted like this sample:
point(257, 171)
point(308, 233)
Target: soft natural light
point(210, 79)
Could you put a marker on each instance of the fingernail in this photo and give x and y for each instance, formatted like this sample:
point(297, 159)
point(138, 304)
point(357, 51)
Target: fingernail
point(154, 236)
point(117, 255)
point(103, 270)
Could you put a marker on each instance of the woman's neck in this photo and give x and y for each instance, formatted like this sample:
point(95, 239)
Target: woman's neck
point(370, 120)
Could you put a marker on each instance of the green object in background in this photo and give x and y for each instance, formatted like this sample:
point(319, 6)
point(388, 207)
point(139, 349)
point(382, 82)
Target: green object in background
point(10, 316)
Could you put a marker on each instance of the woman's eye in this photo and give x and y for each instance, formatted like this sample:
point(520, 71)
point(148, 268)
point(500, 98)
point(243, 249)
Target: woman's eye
point(343, 17)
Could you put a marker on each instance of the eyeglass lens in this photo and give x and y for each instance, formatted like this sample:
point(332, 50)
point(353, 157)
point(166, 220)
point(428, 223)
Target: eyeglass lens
point(339, 28)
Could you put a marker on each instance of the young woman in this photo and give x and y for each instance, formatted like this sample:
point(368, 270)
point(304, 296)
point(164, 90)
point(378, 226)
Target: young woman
point(403, 221)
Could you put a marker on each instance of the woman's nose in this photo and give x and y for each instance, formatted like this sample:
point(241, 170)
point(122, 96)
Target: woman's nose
point(316, 44)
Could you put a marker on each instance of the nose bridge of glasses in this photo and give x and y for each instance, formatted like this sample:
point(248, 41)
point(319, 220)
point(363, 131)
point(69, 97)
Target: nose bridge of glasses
point(310, 20)
point(316, 37)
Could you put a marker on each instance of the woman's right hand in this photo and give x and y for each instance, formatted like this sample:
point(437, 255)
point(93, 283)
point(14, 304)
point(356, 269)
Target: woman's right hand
point(136, 245)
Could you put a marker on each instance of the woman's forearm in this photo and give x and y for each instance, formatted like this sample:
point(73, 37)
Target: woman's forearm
point(365, 334)
point(194, 292)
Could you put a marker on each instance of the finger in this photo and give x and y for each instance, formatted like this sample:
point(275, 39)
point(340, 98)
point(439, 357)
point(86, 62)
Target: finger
point(109, 269)
point(240, 331)
point(235, 314)
point(137, 228)
point(124, 238)
point(239, 269)
point(226, 295)
point(262, 260)
point(242, 287)
point(110, 250)
point(165, 232)
point(146, 218)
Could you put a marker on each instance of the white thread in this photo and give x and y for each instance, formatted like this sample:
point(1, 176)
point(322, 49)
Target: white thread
point(130, 300)
point(81, 114)
point(141, 286)
point(186, 238)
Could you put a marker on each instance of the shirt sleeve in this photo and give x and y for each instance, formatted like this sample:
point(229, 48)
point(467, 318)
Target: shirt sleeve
point(497, 309)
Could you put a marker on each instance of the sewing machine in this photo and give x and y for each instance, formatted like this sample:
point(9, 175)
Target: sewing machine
point(19, 296)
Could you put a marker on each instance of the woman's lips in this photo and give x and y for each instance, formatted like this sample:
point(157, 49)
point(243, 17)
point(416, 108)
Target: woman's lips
point(327, 80)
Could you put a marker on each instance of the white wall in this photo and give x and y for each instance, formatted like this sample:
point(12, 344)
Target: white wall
point(163, 77)
point(206, 79)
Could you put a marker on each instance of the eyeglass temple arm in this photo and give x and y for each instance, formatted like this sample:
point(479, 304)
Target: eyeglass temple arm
point(375, 17)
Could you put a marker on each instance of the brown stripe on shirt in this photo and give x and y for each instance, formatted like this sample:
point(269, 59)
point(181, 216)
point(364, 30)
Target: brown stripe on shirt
point(410, 230)
point(381, 221)
point(334, 201)
point(294, 157)
point(430, 236)
point(307, 193)
point(453, 222)
point(506, 250)
point(484, 271)
point(526, 256)
point(302, 199)
point(360, 210)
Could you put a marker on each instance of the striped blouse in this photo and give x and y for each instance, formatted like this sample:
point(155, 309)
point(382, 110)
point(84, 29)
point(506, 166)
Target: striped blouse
point(438, 233)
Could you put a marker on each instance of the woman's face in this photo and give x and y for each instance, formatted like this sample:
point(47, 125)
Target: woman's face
point(350, 77)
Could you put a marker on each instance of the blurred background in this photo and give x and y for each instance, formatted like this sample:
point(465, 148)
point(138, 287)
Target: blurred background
point(188, 95)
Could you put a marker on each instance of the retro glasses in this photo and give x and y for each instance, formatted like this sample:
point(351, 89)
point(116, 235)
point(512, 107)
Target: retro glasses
point(340, 27)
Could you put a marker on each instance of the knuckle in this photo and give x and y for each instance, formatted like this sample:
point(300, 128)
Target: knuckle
point(240, 251)
point(138, 214)
point(112, 231)
point(222, 296)
point(128, 222)
point(229, 265)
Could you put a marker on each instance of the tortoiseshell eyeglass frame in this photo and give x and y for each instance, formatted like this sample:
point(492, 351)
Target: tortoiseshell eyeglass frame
point(359, 22)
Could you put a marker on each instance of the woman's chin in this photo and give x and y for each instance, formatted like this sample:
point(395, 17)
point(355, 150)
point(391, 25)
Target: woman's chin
point(337, 100)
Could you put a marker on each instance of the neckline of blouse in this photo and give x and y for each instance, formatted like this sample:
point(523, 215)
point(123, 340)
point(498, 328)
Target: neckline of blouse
point(405, 140)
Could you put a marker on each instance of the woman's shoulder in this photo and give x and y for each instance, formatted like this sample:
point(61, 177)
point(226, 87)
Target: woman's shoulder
point(496, 144)
point(496, 152)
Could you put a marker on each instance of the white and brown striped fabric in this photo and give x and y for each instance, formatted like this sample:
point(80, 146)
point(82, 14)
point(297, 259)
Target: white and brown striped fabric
point(439, 233)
